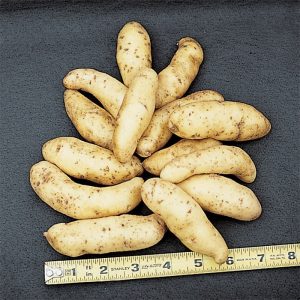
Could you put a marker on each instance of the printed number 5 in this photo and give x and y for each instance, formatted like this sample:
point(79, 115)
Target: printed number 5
point(198, 262)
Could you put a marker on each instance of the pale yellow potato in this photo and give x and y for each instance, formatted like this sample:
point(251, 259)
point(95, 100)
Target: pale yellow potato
point(176, 78)
point(105, 235)
point(155, 163)
point(93, 123)
point(185, 218)
point(225, 121)
point(223, 196)
point(219, 159)
point(108, 90)
point(135, 114)
point(79, 201)
point(91, 162)
point(157, 133)
point(133, 51)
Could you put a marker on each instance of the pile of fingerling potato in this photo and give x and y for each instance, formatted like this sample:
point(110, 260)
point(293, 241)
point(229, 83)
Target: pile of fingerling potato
point(139, 116)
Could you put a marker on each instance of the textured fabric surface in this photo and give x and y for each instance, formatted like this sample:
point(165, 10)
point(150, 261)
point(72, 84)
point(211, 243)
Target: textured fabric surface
point(251, 54)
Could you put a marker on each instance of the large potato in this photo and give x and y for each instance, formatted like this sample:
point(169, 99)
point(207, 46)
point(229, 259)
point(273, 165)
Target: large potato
point(81, 201)
point(135, 114)
point(87, 161)
point(157, 133)
point(92, 122)
point(105, 235)
point(155, 163)
point(108, 90)
point(176, 78)
point(133, 51)
point(185, 218)
point(225, 121)
point(223, 196)
point(219, 159)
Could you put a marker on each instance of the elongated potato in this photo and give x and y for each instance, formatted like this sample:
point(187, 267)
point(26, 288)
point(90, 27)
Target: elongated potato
point(92, 122)
point(176, 78)
point(219, 159)
point(108, 90)
point(105, 235)
point(157, 133)
point(155, 163)
point(81, 201)
point(227, 121)
point(133, 51)
point(87, 161)
point(223, 196)
point(135, 114)
point(185, 218)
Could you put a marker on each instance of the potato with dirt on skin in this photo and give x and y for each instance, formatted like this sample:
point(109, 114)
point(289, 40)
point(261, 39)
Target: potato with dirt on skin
point(224, 121)
point(133, 51)
point(79, 201)
point(218, 159)
point(222, 196)
point(105, 235)
point(93, 123)
point(185, 218)
point(108, 90)
point(87, 161)
point(157, 133)
point(155, 163)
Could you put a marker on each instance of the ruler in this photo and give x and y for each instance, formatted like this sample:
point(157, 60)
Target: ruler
point(170, 264)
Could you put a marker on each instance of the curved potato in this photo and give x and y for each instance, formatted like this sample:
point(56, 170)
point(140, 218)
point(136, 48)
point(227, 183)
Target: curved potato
point(133, 51)
point(135, 114)
point(225, 121)
point(219, 159)
point(105, 235)
point(108, 90)
point(176, 78)
point(223, 196)
point(155, 163)
point(185, 218)
point(87, 161)
point(81, 201)
point(157, 133)
point(92, 122)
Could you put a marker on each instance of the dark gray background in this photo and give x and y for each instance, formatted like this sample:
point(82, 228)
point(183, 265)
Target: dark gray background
point(251, 54)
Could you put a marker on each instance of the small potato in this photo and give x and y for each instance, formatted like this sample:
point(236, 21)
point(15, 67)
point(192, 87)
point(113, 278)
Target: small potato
point(105, 235)
point(225, 121)
point(185, 218)
point(155, 163)
point(92, 122)
point(223, 196)
point(133, 51)
point(108, 90)
point(157, 133)
point(219, 159)
point(135, 114)
point(176, 78)
point(78, 201)
point(87, 161)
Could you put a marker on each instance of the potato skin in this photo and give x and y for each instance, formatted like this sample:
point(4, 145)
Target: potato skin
point(105, 235)
point(219, 159)
point(79, 201)
point(87, 161)
point(155, 163)
point(185, 218)
point(108, 90)
point(135, 114)
point(133, 51)
point(176, 78)
point(92, 122)
point(225, 121)
point(157, 133)
point(223, 196)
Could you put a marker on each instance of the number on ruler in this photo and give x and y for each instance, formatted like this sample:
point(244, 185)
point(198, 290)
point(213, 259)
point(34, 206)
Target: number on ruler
point(135, 267)
point(167, 265)
point(103, 270)
point(230, 260)
point(261, 257)
point(291, 255)
point(198, 262)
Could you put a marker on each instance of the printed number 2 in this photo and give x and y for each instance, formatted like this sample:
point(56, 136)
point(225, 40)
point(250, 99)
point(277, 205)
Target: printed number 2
point(261, 257)
point(103, 270)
